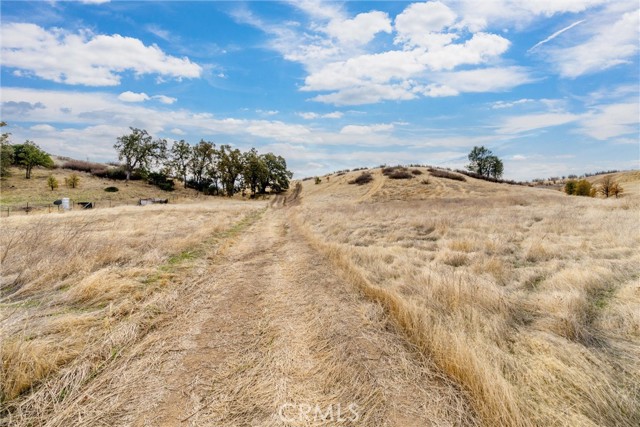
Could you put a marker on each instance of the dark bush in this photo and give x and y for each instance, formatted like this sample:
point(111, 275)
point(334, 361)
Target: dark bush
point(440, 173)
point(489, 178)
point(111, 189)
point(570, 187)
point(363, 178)
point(389, 170)
point(400, 174)
point(161, 181)
point(416, 172)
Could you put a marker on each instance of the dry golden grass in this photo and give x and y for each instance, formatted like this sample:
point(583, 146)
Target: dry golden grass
point(518, 306)
point(16, 191)
point(77, 288)
point(527, 298)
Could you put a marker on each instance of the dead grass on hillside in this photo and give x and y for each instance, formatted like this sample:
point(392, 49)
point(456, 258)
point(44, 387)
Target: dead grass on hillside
point(530, 302)
point(16, 191)
point(78, 288)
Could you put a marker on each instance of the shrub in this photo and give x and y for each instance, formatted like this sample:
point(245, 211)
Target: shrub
point(492, 179)
point(52, 182)
point(391, 169)
point(416, 172)
point(608, 187)
point(616, 190)
point(400, 174)
point(440, 173)
point(111, 189)
point(318, 180)
point(363, 178)
point(584, 188)
point(161, 181)
point(81, 166)
point(73, 181)
point(570, 187)
point(397, 172)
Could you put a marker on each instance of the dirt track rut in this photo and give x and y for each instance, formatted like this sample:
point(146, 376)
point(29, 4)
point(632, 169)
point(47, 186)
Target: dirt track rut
point(272, 335)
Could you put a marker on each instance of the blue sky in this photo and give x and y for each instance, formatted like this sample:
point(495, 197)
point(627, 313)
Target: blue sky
point(550, 86)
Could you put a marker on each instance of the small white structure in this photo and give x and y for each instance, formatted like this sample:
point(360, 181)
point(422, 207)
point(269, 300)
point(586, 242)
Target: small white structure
point(152, 201)
point(65, 203)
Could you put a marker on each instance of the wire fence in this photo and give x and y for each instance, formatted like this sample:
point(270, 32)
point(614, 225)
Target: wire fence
point(30, 208)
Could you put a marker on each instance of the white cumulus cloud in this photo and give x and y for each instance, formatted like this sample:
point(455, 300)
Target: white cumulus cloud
point(129, 96)
point(417, 24)
point(84, 58)
point(361, 29)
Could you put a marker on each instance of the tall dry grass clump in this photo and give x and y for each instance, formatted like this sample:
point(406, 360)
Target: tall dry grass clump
point(520, 296)
point(77, 288)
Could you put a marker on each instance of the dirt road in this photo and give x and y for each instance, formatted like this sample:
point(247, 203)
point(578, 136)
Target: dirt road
point(269, 334)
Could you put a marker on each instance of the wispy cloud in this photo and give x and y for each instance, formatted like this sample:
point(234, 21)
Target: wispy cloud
point(312, 116)
point(556, 34)
point(613, 42)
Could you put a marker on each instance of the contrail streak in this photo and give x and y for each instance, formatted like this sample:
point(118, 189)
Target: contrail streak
point(556, 34)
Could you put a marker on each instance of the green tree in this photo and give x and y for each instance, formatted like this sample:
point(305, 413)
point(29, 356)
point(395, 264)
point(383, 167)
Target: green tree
point(179, 158)
point(278, 177)
point(478, 160)
point(255, 170)
point(483, 162)
point(6, 153)
point(203, 156)
point(138, 150)
point(230, 167)
point(495, 168)
point(52, 182)
point(29, 155)
point(570, 187)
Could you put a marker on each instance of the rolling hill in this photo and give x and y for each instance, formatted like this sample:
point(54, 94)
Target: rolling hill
point(421, 301)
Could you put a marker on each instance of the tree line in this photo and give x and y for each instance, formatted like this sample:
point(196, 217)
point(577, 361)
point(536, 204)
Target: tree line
point(203, 166)
point(218, 170)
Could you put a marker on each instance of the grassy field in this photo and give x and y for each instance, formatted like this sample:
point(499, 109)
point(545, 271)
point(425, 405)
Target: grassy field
point(521, 306)
point(16, 191)
point(79, 287)
point(528, 298)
